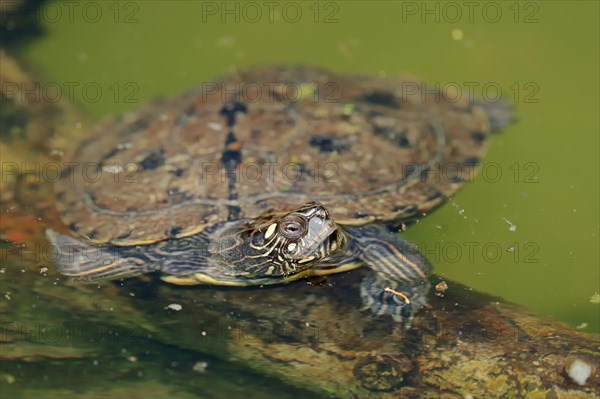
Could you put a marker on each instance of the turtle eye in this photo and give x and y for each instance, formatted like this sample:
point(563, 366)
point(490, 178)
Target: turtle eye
point(293, 227)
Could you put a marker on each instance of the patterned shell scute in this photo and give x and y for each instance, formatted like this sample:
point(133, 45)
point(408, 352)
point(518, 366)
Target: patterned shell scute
point(367, 148)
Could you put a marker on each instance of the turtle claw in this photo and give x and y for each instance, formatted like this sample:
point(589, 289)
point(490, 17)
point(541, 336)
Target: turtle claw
point(400, 300)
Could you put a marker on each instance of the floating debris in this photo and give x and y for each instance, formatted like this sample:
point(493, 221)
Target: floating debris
point(457, 34)
point(582, 326)
point(200, 367)
point(512, 227)
point(441, 286)
point(175, 306)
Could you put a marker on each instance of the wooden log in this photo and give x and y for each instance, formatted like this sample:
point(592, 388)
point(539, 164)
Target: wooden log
point(467, 344)
point(316, 337)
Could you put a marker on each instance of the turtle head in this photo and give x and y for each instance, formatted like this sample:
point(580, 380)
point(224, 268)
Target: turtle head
point(294, 241)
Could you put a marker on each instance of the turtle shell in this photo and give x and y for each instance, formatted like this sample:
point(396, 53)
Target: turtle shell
point(368, 148)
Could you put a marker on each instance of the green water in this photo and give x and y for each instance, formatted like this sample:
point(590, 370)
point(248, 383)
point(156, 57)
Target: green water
point(544, 57)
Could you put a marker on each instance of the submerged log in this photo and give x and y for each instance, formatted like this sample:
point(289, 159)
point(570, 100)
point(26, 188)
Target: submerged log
point(467, 344)
point(316, 337)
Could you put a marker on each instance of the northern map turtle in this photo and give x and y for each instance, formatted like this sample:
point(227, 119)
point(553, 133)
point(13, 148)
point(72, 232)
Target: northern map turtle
point(272, 174)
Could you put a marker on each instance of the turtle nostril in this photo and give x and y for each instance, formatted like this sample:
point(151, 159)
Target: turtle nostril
point(322, 214)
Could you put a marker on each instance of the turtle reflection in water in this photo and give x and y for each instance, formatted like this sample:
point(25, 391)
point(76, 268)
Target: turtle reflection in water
point(199, 187)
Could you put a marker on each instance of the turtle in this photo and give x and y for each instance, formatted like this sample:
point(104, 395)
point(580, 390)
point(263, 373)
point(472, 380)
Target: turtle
point(271, 174)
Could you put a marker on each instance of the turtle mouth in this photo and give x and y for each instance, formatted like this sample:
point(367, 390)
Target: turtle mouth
point(319, 232)
point(320, 242)
point(332, 243)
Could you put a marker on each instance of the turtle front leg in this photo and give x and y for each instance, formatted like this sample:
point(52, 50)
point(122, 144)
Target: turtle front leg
point(401, 282)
